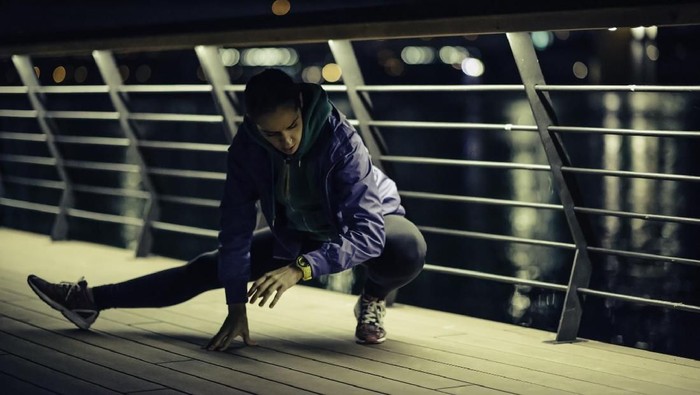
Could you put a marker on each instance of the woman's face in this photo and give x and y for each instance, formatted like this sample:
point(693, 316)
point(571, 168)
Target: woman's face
point(282, 128)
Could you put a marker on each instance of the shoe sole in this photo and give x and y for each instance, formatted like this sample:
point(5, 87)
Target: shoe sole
point(76, 319)
point(365, 342)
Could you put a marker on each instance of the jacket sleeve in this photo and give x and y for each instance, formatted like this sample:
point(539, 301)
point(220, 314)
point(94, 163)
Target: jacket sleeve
point(238, 218)
point(355, 200)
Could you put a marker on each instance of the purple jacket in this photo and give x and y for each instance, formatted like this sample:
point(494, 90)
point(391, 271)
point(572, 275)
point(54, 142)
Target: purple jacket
point(357, 196)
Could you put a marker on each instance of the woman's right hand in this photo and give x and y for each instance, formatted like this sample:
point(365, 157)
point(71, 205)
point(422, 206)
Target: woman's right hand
point(236, 324)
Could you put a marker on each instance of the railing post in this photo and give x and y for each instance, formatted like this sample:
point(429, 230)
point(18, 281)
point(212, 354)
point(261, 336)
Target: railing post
point(25, 69)
point(216, 74)
point(110, 75)
point(352, 77)
point(531, 75)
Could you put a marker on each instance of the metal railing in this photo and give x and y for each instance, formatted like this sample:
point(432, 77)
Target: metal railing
point(534, 88)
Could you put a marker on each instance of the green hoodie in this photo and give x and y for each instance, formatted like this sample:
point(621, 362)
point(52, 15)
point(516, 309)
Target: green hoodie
point(296, 188)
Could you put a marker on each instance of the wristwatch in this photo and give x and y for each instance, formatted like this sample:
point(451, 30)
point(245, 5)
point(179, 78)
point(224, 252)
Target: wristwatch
point(303, 264)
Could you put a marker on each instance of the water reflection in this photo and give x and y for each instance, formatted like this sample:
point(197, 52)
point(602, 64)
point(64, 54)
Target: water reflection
point(528, 262)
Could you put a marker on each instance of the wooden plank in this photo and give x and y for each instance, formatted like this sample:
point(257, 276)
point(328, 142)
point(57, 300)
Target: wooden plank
point(12, 385)
point(9, 296)
point(592, 370)
point(638, 379)
point(166, 391)
point(29, 312)
point(495, 381)
point(506, 340)
point(468, 368)
point(293, 326)
point(403, 353)
point(644, 356)
point(405, 315)
point(169, 337)
point(305, 363)
point(48, 378)
point(472, 390)
point(68, 364)
point(116, 364)
point(141, 338)
point(232, 378)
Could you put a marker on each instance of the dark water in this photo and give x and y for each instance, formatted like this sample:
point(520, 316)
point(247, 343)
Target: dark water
point(647, 327)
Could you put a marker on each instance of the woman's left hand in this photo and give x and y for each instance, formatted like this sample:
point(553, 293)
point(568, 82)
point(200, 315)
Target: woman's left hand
point(274, 282)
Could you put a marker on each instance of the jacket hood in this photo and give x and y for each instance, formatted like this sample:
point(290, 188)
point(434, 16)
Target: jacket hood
point(315, 110)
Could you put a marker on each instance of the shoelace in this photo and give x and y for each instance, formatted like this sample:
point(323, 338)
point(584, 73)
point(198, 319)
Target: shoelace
point(71, 286)
point(372, 312)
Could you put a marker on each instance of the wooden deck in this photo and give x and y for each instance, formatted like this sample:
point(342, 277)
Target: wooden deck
point(305, 344)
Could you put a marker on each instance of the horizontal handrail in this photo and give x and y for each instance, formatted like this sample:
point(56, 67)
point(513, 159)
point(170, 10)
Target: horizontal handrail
point(167, 117)
point(234, 88)
point(117, 219)
point(642, 255)
point(34, 160)
point(494, 277)
point(23, 136)
point(618, 88)
point(549, 206)
point(334, 88)
point(624, 132)
point(463, 163)
point(494, 237)
point(122, 192)
point(207, 175)
point(73, 89)
point(478, 200)
point(8, 113)
point(13, 90)
point(650, 217)
point(646, 301)
point(106, 166)
point(109, 115)
point(326, 87)
point(442, 88)
point(109, 141)
point(189, 200)
point(631, 174)
point(44, 208)
point(34, 182)
point(191, 230)
point(184, 88)
point(183, 146)
point(453, 125)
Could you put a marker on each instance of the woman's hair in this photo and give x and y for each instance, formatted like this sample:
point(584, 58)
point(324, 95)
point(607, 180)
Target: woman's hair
point(269, 90)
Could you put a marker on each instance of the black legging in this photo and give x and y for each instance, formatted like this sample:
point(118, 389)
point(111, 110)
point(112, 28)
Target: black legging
point(399, 263)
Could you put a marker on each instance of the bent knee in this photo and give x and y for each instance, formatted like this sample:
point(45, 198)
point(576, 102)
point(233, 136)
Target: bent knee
point(412, 250)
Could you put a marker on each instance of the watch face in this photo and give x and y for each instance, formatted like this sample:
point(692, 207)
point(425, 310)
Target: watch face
point(302, 262)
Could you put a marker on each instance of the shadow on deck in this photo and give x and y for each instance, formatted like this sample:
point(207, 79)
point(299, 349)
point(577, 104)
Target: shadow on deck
point(305, 343)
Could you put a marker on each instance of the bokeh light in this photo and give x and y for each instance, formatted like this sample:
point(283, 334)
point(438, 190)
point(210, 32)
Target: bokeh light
point(652, 52)
point(580, 70)
point(229, 56)
point(331, 72)
point(473, 67)
point(542, 40)
point(281, 7)
point(312, 74)
point(59, 74)
point(418, 55)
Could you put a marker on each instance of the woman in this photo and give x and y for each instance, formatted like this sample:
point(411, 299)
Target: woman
point(328, 209)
